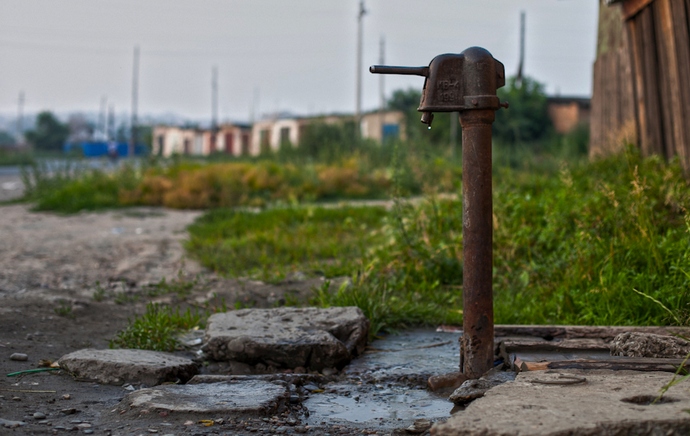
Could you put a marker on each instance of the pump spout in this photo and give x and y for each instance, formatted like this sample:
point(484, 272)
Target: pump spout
point(407, 71)
point(427, 118)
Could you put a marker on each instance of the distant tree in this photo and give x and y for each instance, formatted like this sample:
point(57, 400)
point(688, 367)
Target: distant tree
point(145, 135)
point(80, 129)
point(407, 101)
point(123, 133)
point(49, 133)
point(527, 119)
point(6, 139)
point(327, 141)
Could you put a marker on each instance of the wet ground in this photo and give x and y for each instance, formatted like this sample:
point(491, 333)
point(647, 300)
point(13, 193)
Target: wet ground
point(386, 387)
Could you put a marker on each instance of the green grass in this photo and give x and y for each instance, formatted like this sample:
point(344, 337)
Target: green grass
point(593, 243)
point(266, 181)
point(157, 328)
point(274, 243)
point(13, 158)
point(573, 248)
point(575, 244)
point(72, 188)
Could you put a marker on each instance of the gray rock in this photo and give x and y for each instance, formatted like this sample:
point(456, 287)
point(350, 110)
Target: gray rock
point(419, 426)
point(633, 344)
point(11, 424)
point(21, 357)
point(39, 415)
point(288, 337)
point(472, 389)
point(116, 367)
point(245, 397)
point(607, 403)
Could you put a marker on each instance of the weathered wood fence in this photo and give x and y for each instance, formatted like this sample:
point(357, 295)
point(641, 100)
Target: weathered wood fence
point(641, 87)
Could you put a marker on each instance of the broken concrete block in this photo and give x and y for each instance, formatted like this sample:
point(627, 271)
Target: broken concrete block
point(472, 389)
point(634, 344)
point(116, 367)
point(607, 403)
point(246, 397)
point(288, 337)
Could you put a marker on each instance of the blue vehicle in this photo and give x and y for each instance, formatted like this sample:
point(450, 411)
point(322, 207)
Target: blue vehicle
point(103, 149)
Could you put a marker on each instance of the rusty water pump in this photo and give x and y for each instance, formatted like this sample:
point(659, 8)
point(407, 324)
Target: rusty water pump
point(467, 83)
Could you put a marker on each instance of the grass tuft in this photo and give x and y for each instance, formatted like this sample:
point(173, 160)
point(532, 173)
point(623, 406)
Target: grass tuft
point(156, 328)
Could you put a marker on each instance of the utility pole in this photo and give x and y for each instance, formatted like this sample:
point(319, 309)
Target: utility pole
point(255, 106)
point(110, 124)
point(135, 102)
point(214, 108)
point(20, 118)
point(214, 98)
point(382, 88)
point(518, 77)
point(358, 106)
point(102, 118)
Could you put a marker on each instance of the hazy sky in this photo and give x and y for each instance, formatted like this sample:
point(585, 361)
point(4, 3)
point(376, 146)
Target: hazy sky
point(294, 56)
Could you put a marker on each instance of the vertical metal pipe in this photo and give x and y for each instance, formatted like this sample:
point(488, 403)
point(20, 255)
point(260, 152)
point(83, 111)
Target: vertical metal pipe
point(477, 343)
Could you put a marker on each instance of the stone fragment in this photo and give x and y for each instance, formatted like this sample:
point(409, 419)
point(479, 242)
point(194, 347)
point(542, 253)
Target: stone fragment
point(245, 397)
point(39, 415)
point(634, 344)
point(472, 389)
point(11, 424)
point(419, 426)
point(600, 406)
point(288, 337)
point(21, 357)
point(116, 367)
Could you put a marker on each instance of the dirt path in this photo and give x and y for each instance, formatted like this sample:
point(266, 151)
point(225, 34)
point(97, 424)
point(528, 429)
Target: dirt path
point(72, 282)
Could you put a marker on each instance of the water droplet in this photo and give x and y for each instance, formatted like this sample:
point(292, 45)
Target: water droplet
point(429, 128)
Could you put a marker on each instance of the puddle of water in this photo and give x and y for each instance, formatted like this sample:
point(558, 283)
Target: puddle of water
point(392, 407)
point(385, 387)
point(419, 352)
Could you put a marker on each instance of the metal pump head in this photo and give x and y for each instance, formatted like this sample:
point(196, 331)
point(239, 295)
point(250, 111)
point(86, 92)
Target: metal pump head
point(455, 82)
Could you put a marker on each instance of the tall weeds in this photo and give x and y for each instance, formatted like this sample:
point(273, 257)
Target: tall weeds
point(603, 243)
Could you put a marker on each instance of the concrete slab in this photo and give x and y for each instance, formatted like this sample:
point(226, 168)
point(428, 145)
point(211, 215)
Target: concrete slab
point(243, 397)
point(288, 337)
point(119, 366)
point(608, 402)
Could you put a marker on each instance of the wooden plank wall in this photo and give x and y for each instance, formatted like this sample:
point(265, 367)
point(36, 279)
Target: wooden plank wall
point(613, 113)
point(657, 41)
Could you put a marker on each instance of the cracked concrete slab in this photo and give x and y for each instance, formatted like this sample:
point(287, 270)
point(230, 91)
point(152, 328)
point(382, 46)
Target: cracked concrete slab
point(608, 402)
point(288, 337)
point(241, 397)
point(119, 366)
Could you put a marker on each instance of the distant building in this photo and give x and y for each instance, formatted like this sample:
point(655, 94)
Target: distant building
point(233, 139)
point(269, 134)
point(382, 126)
point(566, 113)
point(228, 138)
